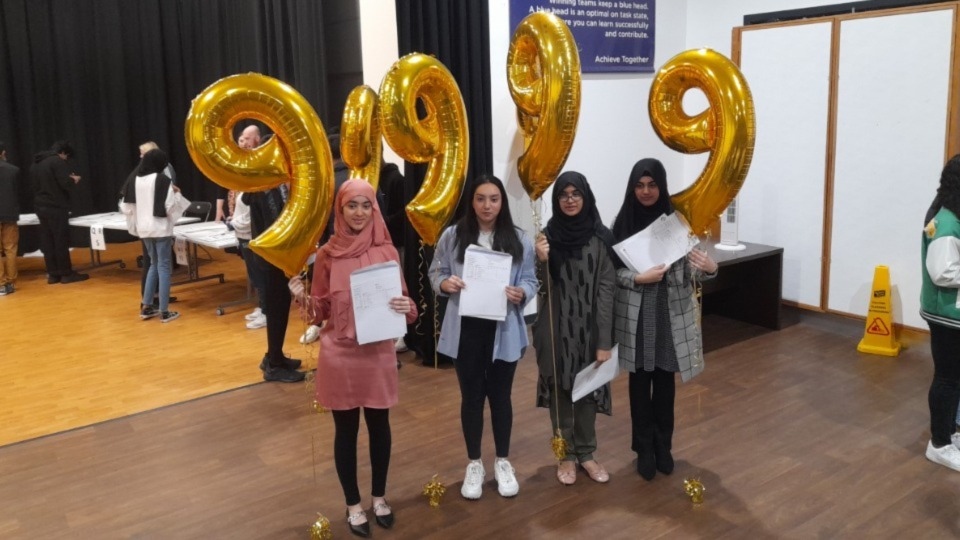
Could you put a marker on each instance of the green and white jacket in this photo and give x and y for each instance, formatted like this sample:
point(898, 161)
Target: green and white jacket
point(940, 252)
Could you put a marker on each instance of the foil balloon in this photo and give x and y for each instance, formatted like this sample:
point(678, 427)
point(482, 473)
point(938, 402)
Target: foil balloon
point(543, 73)
point(360, 145)
point(440, 138)
point(726, 129)
point(298, 153)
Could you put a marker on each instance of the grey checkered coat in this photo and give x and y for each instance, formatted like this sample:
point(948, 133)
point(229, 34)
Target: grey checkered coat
point(683, 318)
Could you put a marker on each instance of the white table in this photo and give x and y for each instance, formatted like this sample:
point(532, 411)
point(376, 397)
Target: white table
point(114, 221)
point(213, 234)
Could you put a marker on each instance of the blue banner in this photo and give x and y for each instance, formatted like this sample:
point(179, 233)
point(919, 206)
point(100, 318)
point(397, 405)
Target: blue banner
point(611, 35)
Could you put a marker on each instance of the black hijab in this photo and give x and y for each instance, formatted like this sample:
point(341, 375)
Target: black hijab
point(153, 162)
point(633, 216)
point(568, 234)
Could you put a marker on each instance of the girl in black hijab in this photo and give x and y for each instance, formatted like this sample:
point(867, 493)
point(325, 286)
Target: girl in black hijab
point(655, 321)
point(575, 324)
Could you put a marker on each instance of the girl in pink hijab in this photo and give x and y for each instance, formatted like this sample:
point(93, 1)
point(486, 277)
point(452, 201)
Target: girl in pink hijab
point(351, 376)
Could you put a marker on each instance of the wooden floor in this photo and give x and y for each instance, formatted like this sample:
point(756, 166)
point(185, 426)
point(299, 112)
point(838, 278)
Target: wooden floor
point(73, 355)
point(793, 433)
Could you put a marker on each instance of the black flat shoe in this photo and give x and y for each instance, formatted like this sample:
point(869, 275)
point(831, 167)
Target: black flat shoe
point(386, 520)
point(363, 529)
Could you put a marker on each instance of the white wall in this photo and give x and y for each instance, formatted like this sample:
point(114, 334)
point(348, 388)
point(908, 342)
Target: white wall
point(378, 44)
point(710, 24)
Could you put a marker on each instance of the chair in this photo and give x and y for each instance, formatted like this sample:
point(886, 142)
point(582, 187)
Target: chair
point(198, 209)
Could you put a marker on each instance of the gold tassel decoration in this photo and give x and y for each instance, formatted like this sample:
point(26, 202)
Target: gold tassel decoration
point(694, 489)
point(434, 490)
point(320, 530)
point(559, 446)
point(318, 408)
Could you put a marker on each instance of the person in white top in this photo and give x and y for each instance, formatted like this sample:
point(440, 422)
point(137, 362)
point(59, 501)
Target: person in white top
point(240, 223)
point(152, 205)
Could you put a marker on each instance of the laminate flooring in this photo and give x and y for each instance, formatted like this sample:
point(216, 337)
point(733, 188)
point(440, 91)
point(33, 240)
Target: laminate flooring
point(793, 433)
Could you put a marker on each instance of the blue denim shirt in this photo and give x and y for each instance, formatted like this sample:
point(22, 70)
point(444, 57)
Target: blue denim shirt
point(511, 338)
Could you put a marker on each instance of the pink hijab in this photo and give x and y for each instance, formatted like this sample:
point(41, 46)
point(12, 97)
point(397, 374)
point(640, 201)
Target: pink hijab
point(345, 243)
point(348, 251)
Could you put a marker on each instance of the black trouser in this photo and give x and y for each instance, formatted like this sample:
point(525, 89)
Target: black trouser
point(277, 304)
point(651, 407)
point(347, 424)
point(944, 392)
point(55, 240)
point(481, 378)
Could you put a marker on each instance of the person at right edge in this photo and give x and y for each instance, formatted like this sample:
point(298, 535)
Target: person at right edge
point(940, 256)
point(655, 322)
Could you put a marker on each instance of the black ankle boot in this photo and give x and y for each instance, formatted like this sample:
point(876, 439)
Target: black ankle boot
point(646, 460)
point(662, 444)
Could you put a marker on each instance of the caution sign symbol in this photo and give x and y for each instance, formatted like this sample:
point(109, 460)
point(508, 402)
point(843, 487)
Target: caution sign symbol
point(877, 327)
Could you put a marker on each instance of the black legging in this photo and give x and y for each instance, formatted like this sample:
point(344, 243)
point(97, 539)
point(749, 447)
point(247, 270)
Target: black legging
point(651, 406)
point(55, 240)
point(945, 389)
point(347, 425)
point(277, 304)
point(480, 379)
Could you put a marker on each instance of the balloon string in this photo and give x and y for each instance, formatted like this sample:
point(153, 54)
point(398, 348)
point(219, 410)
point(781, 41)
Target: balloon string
point(436, 332)
point(538, 221)
point(698, 305)
point(421, 263)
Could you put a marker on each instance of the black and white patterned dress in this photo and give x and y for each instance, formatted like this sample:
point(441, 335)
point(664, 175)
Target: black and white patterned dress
point(582, 301)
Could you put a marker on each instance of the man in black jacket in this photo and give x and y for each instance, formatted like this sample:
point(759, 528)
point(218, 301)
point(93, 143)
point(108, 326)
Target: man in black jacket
point(9, 214)
point(53, 182)
point(265, 208)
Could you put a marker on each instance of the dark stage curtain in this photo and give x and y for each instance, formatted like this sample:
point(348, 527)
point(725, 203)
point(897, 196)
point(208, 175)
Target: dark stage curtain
point(456, 32)
point(110, 74)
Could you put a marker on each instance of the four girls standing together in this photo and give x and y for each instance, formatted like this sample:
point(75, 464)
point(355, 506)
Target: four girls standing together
point(593, 302)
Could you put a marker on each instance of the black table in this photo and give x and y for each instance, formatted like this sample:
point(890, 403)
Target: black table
point(748, 285)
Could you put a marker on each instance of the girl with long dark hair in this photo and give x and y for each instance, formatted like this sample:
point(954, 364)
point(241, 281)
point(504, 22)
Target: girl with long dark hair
point(485, 352)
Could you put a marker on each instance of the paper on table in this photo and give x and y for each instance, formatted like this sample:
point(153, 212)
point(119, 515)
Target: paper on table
point(593, 376)
point(662, 242)
point(371, 289)
point(486, 274)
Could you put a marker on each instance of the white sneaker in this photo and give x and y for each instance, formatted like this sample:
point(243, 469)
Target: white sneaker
point(948, 456)
point(259, 322)
point(400, 346)
point(506, 479)
point(311, 335)
point(253, 315)
point(473, 480)
point(955, 439)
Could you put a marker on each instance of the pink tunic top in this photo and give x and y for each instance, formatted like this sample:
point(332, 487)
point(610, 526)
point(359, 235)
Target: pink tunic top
point(350, 375)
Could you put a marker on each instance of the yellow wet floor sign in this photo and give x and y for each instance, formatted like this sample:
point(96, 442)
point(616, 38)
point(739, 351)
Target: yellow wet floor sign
point(878, 336)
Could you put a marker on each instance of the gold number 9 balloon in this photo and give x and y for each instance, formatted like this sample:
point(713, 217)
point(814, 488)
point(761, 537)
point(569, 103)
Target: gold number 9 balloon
point(298, 152)
point(726, 129)
point(543, 73)
point(441, 138)
point(360, 145)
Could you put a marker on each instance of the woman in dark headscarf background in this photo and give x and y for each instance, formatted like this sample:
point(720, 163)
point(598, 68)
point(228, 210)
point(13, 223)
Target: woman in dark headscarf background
point(152, 206)
point(655, 322)
point(575, 326)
